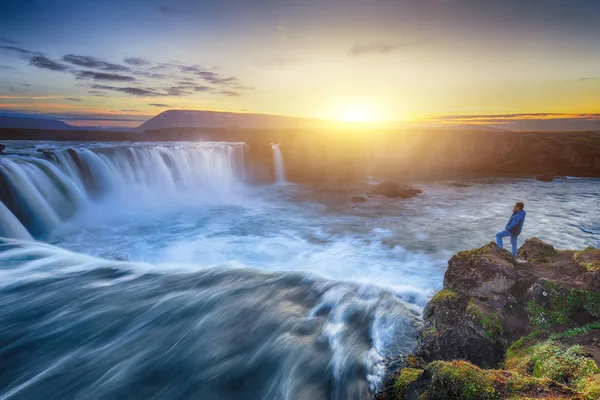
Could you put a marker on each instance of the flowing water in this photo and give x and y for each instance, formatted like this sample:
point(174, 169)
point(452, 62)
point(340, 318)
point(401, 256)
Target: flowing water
point(160, 271)
point(278, 164)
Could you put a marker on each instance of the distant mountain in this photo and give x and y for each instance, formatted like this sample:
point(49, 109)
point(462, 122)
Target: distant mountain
point(32, 123)
point(217, 119)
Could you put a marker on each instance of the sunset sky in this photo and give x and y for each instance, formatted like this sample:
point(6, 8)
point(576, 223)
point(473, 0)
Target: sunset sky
point(117, 62)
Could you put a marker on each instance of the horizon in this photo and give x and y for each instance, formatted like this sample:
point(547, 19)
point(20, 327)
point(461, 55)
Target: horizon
point(506, 65)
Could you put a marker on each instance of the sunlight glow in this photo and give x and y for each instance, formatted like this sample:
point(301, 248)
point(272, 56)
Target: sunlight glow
point(357, 113)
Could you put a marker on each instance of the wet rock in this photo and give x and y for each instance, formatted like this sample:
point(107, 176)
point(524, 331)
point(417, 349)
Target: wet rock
point(358, 199)
point(394, 189)
point(545, 178)
point(2, 147)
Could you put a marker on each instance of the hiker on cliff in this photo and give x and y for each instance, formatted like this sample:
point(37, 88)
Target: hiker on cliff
point(513, 228)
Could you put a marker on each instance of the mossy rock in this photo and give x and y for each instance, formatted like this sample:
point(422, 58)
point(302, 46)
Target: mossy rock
point(488, 319)
point(462, 380)
point(549, 358)
point(535, 250)
point(552, 305)
point(588, 258)
point(407, 376)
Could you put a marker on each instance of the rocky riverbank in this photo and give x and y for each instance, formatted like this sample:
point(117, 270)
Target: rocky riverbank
point(500, 329)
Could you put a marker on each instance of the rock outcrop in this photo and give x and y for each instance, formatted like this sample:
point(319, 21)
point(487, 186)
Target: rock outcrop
point(2, 147)
point(394, 189)
point(545, 177)
point(494, 311)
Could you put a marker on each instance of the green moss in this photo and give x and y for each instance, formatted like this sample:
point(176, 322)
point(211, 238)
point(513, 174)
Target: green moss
point(544, 256)
point(548, 359)
point(489, 321)
point(461, 380)
point(407, 376)
point(590, 387)
point(522, 343)
point(444, 294)
point(563, 304)
point(576, 331)
point(588, 258)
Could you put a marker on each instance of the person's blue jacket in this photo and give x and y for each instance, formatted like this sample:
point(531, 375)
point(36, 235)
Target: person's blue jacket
point(515, 223)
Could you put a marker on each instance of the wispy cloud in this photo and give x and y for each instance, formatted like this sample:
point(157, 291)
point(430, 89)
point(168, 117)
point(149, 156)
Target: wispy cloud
point(385, 48)
point(73, 99)
point(159, 105)
point(168, 79)
point(103, 76)
point(7, 40)
point(46, 63)
point(585, 79)
point(20, 50)
point(137, 61)
point(94, 63)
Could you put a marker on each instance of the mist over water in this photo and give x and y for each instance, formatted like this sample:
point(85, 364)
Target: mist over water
point(162, 272)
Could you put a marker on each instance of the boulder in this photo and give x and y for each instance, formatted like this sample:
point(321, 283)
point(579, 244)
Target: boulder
point(394, 189)
point(2, 147)
point(358, 199)
point(534, 250)
point(545, 178)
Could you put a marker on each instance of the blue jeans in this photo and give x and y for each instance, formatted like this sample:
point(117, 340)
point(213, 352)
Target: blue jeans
point(514, 241)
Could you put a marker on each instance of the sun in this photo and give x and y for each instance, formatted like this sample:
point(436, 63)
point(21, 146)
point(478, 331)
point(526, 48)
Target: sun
point(356, 113)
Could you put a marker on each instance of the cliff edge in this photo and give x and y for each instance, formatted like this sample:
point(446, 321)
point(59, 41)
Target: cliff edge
point(500, 329)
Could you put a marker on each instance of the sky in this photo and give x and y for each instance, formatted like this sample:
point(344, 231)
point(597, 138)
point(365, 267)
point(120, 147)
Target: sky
point(118, 62)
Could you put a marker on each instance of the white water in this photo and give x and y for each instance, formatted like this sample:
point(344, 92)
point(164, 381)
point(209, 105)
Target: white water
point(10, 226)
point(278, 163)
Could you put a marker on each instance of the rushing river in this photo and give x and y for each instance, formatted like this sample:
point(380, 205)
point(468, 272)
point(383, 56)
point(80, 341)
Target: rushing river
point(159, 271)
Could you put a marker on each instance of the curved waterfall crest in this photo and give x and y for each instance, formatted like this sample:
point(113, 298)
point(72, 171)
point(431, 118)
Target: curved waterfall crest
point(38, 192)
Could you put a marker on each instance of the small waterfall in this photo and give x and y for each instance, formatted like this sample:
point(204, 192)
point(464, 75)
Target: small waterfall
point(10, 226)
point(40, 193)
point(278, 163)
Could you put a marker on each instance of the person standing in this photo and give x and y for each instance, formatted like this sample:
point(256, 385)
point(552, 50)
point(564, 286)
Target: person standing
point(513, 228)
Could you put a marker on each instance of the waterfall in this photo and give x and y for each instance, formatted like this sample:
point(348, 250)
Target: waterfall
point(10, 226)
point(38, 194)
point(278, 163)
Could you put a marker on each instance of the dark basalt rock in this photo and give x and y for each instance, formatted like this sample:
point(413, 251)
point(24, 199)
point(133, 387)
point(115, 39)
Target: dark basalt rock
point(2, 147)
point(545, 178)
point(394, 189)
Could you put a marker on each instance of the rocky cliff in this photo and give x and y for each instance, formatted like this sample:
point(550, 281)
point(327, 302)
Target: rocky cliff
point(501, 329)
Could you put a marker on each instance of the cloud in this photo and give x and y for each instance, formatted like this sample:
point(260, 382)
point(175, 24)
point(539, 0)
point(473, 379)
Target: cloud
point(139, 92)
point(167, 9)
point(230, 93)
point(584, 79)
point(20, 50)
point(137, 61)
point(159, 105)
point(103, 87)
point(103, 76)
point(73, 99)
point(94, 63)
point(129, 110)
point(385, 48)
point(7, 40)
point(6, 67)
point(46, 63)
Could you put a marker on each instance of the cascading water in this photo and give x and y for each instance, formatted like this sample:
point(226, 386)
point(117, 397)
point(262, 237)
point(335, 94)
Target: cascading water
point(41, 193)
point(278, 163)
